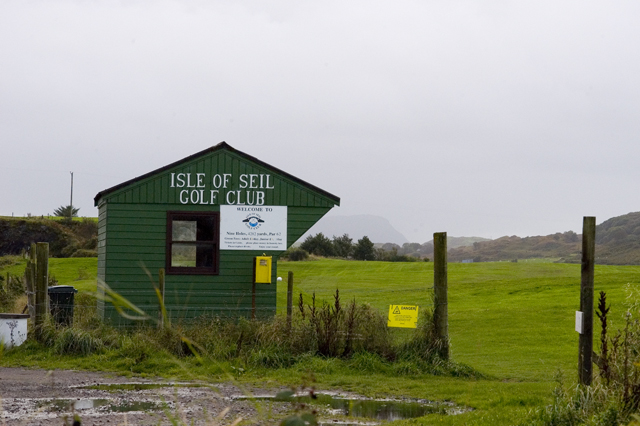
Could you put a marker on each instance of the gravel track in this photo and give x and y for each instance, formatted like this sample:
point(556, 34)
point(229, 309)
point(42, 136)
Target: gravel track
point(40, 397)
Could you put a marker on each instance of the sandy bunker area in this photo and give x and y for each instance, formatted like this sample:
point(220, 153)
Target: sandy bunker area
point(40, 397)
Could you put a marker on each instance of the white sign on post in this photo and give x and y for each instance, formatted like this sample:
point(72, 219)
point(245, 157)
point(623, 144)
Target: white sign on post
point(579, 322)
point(253, 228)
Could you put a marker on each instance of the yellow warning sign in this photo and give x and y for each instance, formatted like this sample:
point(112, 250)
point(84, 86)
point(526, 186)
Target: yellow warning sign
point(403, 316)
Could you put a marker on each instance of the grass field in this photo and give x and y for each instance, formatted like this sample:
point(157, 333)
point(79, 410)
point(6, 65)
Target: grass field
point(511, 321)
point(80, 272)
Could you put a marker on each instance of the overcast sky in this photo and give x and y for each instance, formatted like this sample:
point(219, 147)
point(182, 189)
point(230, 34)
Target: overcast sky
point(478, 118)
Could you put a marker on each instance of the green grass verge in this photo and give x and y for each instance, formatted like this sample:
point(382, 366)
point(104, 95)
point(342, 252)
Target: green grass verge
point(512, 321)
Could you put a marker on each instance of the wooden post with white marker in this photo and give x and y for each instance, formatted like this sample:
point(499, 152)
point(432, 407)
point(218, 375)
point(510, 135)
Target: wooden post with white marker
point(585, 367)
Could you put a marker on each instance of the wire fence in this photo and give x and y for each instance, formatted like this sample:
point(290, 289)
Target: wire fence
point(187, 303)
point(83, 309)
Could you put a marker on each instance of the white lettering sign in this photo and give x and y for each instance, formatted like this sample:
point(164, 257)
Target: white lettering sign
point(253, 227)
point(248, 190)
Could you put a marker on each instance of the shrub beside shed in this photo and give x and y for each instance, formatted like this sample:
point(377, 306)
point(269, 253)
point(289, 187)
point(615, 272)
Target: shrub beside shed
point(205, 219)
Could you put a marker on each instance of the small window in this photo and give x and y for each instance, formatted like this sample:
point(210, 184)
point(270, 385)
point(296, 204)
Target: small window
point(192, 242)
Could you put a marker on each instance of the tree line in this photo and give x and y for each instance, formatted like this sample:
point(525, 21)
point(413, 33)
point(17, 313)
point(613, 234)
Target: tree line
point(364, 249)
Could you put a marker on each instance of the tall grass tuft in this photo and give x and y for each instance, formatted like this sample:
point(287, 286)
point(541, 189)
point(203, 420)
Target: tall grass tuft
point(11, 289)
point(74, 341)
point(337, 332)
point(425, 344)
point(594, 405)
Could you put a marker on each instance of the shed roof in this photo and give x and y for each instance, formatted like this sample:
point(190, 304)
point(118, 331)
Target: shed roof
point(222, 146)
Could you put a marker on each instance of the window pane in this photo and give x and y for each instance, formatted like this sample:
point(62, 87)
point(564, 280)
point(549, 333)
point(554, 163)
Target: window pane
point(192, 243)
point(184, 230)
point(183, 255)
point(204, 256)
point(206, 229)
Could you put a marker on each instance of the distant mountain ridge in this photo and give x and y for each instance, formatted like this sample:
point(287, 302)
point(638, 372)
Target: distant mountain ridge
point(617, 243)
point(377, 228)
point(455, 242)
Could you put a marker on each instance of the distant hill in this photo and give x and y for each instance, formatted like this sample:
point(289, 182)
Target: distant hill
point(455, 242)
point(617, 243)
point(66, 239)
point(554, 246)
point(377, 228)
point(618, 240)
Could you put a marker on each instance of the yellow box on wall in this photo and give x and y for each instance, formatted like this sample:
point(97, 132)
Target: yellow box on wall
point(262, 270)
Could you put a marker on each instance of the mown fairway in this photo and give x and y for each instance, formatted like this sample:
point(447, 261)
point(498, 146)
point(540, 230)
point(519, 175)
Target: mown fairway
point(508, 320)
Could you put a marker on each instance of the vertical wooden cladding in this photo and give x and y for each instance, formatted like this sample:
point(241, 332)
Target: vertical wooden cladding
point(133, 230)
point(102, 255)
point(134, 251)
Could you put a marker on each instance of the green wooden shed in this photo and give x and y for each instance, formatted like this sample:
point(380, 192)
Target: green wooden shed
point(205, 220)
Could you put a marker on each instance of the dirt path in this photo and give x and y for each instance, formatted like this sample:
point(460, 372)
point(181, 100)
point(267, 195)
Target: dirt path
point(39, 397)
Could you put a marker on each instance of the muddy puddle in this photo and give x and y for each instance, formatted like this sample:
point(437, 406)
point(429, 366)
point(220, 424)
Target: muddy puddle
point(364, 409)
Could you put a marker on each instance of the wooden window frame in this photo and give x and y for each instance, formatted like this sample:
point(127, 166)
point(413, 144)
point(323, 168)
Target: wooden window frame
point(215, 244)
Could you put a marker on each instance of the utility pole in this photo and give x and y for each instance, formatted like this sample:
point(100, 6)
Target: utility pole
point(440, 284)
point(585, 367)
point(71, 202)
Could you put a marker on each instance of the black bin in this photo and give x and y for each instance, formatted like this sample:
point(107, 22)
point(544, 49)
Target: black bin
point(61, 303)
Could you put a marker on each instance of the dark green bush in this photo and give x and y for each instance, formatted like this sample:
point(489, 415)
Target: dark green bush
point(84, 253)
point(318, 245)
point(64, 237)
point(90, 244)
point(296, 254)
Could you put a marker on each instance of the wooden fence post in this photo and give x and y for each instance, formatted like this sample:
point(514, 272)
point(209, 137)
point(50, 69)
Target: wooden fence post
point(585, 367)
point(440, 312)
point(28, 283)
point(289, 298)
point(31, 281)
point(42, 282)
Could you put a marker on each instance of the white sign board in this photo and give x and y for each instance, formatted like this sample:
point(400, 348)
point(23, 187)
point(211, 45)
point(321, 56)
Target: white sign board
point(253, 228)
point(579, 322)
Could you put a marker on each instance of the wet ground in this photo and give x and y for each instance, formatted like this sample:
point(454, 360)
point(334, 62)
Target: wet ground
point(39, 397)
